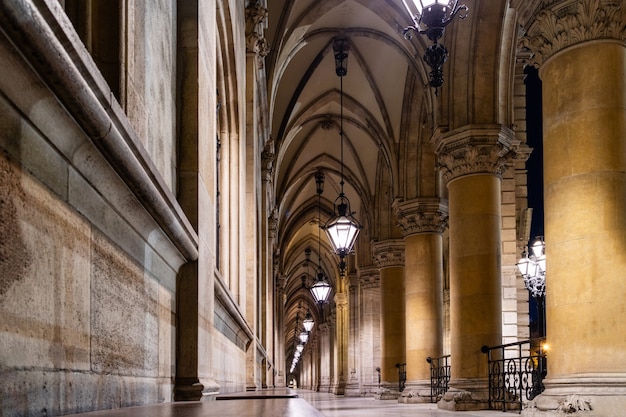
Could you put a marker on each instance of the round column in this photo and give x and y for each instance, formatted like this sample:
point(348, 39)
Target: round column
point(472, 160)
point(389, 257)
point(584, 125)
point(423, 222)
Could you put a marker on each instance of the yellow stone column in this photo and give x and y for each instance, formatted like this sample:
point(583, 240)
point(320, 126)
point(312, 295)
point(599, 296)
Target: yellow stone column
point(369, 330)
point(584, 119)
point(423, 221)
point(472, 160)
point(389, 257)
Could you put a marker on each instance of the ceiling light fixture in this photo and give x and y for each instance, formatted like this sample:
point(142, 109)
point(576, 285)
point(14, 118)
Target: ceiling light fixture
point(430, 18)
point(321, 289)
point(342, 229)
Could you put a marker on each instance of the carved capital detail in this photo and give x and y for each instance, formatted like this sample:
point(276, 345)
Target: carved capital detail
point(563, 23)
point(268, 157)
point(388, 253)
point(341, 300)
point(281, 282)
point(255, 40)
point(478, 150)
point(422, 215)
point(369, 277)
point(272, 224)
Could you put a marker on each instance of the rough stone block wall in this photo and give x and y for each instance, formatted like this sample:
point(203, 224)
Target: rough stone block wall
point(84, 327)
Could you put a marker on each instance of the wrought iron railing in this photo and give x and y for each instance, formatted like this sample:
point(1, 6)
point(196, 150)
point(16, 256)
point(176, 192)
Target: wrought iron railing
point(439, 376)
point(516, 372)
point(401, 376)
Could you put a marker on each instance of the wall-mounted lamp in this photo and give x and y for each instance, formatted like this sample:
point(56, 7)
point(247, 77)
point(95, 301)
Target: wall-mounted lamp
point(430, 18)
point(532, 266)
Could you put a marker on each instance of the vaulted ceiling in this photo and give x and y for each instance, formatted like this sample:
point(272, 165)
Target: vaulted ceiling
point(388, 119)
point(305, 108)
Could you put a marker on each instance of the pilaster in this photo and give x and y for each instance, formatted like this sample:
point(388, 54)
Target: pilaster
point(369, 330)
point(389, 257)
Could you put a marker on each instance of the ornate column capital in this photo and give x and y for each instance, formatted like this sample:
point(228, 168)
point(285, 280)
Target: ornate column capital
point(267, 161)
point(281, 282)
point(369, 277)
point(255, 40)
point(388, 253)
point(341, 300)
point(563, 23)
point(477, 149)
point(422, 215)
point(272, 222)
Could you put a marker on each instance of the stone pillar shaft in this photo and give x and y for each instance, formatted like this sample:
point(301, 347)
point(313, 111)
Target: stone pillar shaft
point(472, 160)
point(424, 304)
point(423, 221)
point(585, 198)
point(369, 331)
point(475, 299)
point(392, 321)
point(581, 49)
point(389, 256)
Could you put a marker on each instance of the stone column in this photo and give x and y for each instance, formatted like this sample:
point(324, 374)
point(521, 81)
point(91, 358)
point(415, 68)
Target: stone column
point(369, 330)
point(279, 331)
point(582, 52)
point(325, 362)
point(268, 234)
point(423, 221)
point(389, 257)
point(187, 385)
point(255, 291)
point(472, 160)
point(353, 386)
point(341, 341)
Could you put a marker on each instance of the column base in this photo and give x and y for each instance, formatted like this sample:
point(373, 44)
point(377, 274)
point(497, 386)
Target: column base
point(324, 385)
point(388, 391)
point(416, 393)
point(188, 389)
point(352, 390)
point(466, 396)
point(369, 390)
point(339, 388)
point(594, 396)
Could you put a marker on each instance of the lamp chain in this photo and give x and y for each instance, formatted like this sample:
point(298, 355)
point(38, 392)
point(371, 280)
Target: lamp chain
point(341, 121)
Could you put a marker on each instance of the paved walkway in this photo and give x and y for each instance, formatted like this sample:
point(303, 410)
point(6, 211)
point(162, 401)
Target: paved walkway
point(289, 403)
point(337, 406)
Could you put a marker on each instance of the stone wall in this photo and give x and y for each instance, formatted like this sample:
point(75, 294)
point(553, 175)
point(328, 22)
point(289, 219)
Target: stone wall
point(88, 262)
point(84, 326)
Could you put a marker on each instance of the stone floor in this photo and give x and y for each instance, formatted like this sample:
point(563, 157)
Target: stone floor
point(288, 403)
point(336, 406)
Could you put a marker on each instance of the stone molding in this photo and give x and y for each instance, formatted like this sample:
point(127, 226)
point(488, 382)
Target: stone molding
point(255, 41)
point(564, 23)
point(484, 149)
point(272, 223)
point(268, 158)
point(58, 56)
point(388, 253)
point(369, 278)
point(341, 300)
point(422, 215)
